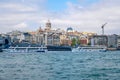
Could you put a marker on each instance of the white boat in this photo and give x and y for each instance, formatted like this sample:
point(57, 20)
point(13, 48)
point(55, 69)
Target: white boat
point(89, 49)
point(25, 49)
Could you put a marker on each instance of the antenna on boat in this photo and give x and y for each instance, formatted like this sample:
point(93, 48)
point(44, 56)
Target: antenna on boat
point(103, 28)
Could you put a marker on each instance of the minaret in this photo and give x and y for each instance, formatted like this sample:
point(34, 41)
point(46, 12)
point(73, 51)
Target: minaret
point(48, 25)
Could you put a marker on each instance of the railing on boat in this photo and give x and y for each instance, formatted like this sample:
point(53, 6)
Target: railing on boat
point(25, 49)
point(89, 49)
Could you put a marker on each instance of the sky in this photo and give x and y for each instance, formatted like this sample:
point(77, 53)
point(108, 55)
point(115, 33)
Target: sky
point(81, 15)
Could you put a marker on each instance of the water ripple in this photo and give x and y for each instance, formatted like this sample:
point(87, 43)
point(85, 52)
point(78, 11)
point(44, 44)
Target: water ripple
point(60, 66)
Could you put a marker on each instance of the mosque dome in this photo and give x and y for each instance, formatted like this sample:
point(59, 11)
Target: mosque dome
point(69, 29)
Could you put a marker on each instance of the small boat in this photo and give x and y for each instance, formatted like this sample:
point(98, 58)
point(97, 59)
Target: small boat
point(89, 49)
point(25, 49)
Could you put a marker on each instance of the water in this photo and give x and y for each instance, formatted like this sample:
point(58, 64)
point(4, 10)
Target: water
point(60, 66)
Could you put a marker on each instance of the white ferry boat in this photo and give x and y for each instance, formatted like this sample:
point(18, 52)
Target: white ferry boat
point(89, 49)
point(25, 49)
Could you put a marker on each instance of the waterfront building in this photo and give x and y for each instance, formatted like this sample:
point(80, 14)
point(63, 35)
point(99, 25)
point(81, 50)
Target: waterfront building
point(99, 40)
point(25, 37)
point(1, 41)
point(33, 34)
point(112, 41)
point(88, 33)
point(83, 40)
point(15, 36)
point(48, 26)
point(70, 36)
point(51, 37)
point(64, 40)
point(40, 36)
point(5, 41)
point(118, 41)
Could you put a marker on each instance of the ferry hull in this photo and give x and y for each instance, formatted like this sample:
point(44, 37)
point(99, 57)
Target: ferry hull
point(58, 48)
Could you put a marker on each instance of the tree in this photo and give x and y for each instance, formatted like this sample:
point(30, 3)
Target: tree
point(78, 42)
point(89, 43)
point(73, 42)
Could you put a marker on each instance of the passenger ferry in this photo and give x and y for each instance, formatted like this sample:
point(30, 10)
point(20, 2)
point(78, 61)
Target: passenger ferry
point(25, 49)
point(89, 49)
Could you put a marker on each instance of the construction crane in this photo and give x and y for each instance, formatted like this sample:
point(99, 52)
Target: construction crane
point(103, 28)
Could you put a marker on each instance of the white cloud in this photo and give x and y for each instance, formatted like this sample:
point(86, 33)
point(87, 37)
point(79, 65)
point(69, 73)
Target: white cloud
point(20, 26)
point(81, 18)
point(91, 18)
point(16, 7)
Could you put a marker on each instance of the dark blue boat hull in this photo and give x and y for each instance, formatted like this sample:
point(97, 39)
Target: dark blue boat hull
point(59, 48)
